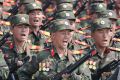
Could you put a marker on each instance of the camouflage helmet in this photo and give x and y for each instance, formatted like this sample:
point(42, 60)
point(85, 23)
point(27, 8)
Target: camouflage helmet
point(96, 1)
point(59, 24)
point(20, 19)
point(97, 7)
point(64, 1)
point(109, 14)
point(65, 15)
point(33, 6)
point(26, 1)
point(65, 7)
point(118, 22)
point(100, 23)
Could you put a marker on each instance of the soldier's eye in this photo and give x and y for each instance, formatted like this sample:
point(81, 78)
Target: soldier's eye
point(110, 30)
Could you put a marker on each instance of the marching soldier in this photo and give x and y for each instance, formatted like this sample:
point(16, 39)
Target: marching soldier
point(4, 71)
point(34, 10)
point(17, 49)
point(22, 3)
point(59, 56)
point(102, 33)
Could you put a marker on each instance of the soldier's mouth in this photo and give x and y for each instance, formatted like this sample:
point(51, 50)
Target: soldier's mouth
point(36, 20)
point(23, 35)
point(65, 41)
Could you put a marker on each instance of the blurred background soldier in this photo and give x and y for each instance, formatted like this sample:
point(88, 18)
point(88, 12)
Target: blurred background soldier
point(16, 50)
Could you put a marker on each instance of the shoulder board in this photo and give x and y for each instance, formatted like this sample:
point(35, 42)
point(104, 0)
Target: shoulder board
point(85, 17)
point(81, 43)
point(81, 32)
point(114, 49)
point(34, 47)
point(77, 51)
point(45, 33)
point(116, 39)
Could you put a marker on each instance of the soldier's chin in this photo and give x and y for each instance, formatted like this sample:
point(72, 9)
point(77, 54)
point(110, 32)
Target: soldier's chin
point(65, 45)
point(36, 24)
point(23, 39)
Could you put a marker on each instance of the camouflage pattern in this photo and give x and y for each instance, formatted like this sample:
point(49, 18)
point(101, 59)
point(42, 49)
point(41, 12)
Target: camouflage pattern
point(109, 14)
point(48, 68)
point(99, 61)
point(33, 6)
point(97, 7)
point(100, 23)
point(118, 22)
point(38, 39)
point(20, 19)
point(65, 15)
point(60, 24)
point(64, 1)
point(65, 7)
point(97, 1)
point(4, 70)
point(26, 1)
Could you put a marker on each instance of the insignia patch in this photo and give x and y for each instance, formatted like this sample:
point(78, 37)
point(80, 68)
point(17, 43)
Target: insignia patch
point(23, 19)
point(64, 6)
point(102, 22)
point(66, 23)
point(34, 5)
point(67, 14)
point(100, 5)
point(110, 13)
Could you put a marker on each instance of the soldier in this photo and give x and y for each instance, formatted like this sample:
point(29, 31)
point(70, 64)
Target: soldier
point(17, 49)
point(34, 10)
point(22, 3)
point(102, 33)
point(59, 56)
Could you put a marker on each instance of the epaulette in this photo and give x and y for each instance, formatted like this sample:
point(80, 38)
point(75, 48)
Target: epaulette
point(85, 17)
point(116, 39)
point(81, 43)
point(45, 33)
point(80, 32)
point(35, 47)
point(114, 49)
point(6, 23)
point(77, 51)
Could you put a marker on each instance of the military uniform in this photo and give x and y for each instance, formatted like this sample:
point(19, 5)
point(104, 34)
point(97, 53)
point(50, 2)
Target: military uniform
point(39, 38)
point(52, 63)
point(10, 50)
point(100, 60)
point(4, 70)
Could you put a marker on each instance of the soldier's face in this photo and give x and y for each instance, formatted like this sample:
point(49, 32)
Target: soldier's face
point(21, 9)
point(35, 18)
point(102, 37)
point(20, 32)
point(62, 38)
